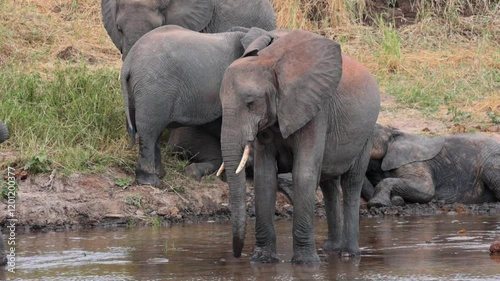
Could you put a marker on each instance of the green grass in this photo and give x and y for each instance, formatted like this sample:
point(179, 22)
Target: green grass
point(76, 116)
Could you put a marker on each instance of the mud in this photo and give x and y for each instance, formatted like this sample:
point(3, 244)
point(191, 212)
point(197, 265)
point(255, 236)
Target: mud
point(57, 202)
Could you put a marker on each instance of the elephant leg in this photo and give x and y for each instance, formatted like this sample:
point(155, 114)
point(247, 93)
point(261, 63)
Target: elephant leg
point(158, 164)
point(367, 190)
point(491, 175)
point(145, 172)
point(419, 189)
point(332, 197)
point(308, 155)
point(265, 184)
point(200, 147)
point(352, 183)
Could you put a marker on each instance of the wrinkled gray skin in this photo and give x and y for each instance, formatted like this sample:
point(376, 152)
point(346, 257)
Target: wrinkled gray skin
point(128, 20)
point(171, 78)
point(281, 96)
point(404, 167)
point(4, 135)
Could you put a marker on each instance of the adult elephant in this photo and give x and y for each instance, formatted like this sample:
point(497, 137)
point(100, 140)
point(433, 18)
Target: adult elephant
point(461, 168)
point(128, 20)
point(4, 135)
point(171, 78)
point(307, 110)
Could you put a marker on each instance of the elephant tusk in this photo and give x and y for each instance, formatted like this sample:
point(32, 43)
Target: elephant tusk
point(221, 169)
point(244, 159)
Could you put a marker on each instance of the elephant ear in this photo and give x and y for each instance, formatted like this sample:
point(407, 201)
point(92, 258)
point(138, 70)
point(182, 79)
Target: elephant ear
point(258, 44)
point(308, 68)
point(108, 13)
point(407, 148)
point(257, 39)
point(191, 14)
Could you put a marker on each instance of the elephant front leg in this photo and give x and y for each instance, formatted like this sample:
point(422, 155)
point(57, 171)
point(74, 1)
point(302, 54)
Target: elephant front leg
point(415, 188)
point(308, 157)
point(332, 197)
point(265, 183)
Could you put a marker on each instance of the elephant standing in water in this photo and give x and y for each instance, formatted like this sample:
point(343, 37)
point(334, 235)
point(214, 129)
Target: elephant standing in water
point(128, 20)
point(461, 168)
point(4, 135)
point(307, 110)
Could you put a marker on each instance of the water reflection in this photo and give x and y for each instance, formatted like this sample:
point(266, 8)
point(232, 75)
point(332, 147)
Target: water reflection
point(402, 248)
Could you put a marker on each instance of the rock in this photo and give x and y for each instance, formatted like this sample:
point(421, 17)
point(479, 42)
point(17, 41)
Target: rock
point(495, 248)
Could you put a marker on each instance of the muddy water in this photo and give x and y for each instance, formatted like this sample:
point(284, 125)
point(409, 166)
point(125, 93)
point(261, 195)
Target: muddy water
point(396, 248)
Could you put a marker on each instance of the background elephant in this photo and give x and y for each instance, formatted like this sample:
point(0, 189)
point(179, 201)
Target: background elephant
point(4, 135)
point(460, 168)
point(282, 96)
point(171, 78)
point(128, 20)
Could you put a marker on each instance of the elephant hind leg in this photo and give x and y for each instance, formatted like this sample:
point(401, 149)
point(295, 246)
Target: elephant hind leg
point(352, 183)
point(149, 158)
point(201, 148)
point(332, 197)
point(491, 175)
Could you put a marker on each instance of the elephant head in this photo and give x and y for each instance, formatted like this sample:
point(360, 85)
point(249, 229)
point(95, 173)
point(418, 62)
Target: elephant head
point(281, 81)
point(127, 20)
point(4, 132)
point(395, 148)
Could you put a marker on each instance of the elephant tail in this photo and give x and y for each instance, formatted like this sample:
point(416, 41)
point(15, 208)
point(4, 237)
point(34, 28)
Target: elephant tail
point(129, 105)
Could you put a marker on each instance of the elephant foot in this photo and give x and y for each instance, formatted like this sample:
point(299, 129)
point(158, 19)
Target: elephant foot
point(193, 172)
point(145, 178)
point(263, 255)
point(332, 247)
point(379, 201)
point(305, 258)
point(397, 201)
point(349, 253)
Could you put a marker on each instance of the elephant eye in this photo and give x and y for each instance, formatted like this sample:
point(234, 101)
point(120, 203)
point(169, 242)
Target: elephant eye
point(250, 105)
point(119, 27)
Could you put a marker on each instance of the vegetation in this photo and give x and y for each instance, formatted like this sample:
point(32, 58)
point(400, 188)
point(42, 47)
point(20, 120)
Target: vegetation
point(61, 98)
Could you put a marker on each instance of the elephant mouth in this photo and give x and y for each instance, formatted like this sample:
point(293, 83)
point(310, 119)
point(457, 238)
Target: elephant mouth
point(242, 164)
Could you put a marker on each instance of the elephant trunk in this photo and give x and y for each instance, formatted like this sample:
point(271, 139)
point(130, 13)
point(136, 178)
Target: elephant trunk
point(232, 152)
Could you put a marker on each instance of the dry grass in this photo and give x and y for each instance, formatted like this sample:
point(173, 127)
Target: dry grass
point(445, 66)
point(34, 32)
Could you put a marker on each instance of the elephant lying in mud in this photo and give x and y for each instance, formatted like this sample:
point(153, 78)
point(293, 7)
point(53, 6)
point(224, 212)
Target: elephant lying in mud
point(128, 20)
point(404, 167)
point(171, 78)
point(4, 135)
point(307, 110)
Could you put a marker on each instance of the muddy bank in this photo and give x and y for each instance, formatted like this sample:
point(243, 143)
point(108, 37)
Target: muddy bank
point(58, 202)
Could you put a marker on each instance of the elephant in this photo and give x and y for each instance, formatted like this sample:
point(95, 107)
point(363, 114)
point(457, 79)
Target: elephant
point(4, 135)
point(128, 20)
point(171, 79)
point(306, 109)
point(405, 167)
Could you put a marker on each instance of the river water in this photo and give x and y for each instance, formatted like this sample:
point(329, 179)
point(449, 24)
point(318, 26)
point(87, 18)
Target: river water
point(393, 248)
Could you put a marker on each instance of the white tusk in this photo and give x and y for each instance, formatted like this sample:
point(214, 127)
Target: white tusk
point(244, 159)
point(221, 169)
